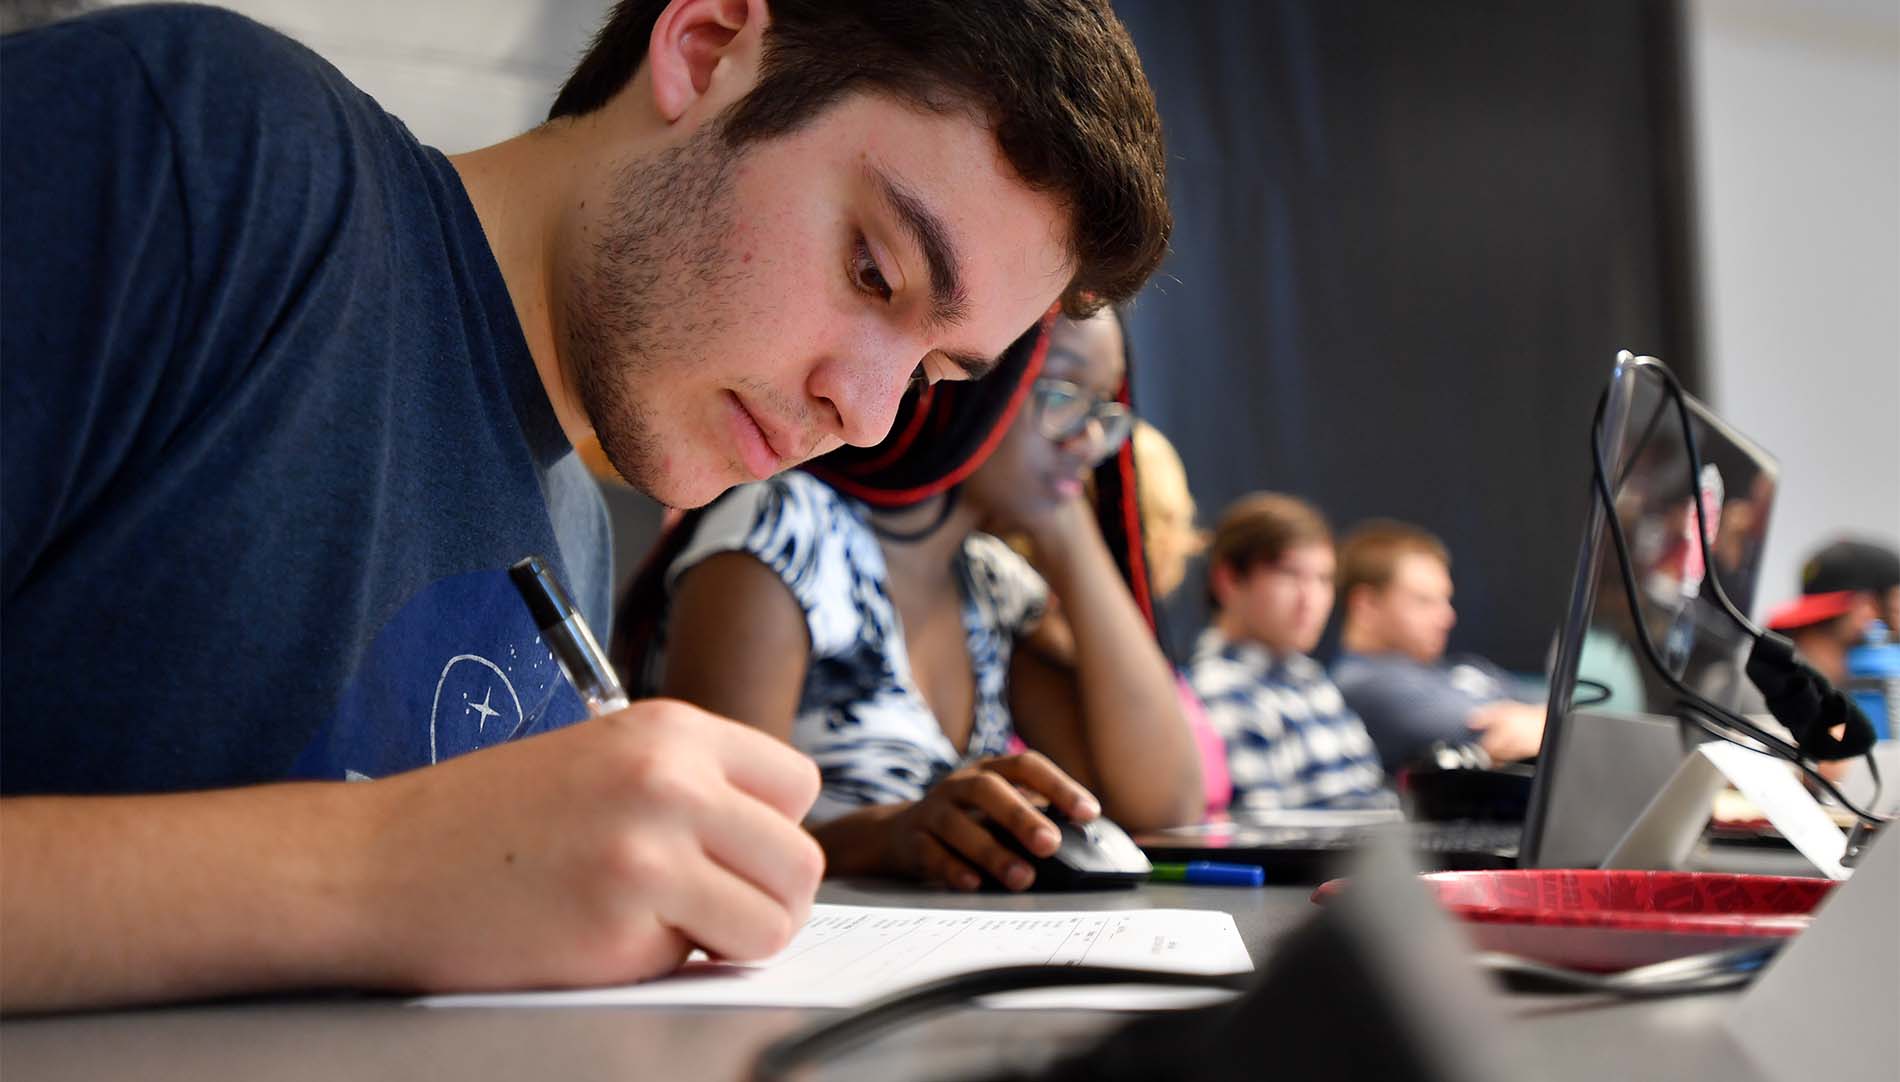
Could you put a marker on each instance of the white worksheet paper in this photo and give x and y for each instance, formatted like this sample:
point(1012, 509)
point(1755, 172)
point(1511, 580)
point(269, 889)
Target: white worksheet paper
point(847, 955)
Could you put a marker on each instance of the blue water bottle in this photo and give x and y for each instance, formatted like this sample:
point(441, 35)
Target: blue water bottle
point(1873, 679)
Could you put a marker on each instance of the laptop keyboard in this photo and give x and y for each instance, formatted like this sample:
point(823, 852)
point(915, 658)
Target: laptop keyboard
point(1467, 836)
point(1314, 854)
point(1453, 836)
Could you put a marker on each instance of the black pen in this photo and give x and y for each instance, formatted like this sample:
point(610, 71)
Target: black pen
point(569, 638)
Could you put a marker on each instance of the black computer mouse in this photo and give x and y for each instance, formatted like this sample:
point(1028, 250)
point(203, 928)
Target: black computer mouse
point(1095, 855)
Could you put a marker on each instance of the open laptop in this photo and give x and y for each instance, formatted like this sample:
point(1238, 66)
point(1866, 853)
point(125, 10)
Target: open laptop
point(1606, 753)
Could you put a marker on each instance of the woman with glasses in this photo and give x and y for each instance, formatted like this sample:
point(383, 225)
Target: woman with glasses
point(865, 611)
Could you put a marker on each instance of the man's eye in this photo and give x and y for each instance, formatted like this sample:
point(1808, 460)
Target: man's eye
point(865, 273)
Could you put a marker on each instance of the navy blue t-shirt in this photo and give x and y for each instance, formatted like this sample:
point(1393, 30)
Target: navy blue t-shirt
point(270, 434)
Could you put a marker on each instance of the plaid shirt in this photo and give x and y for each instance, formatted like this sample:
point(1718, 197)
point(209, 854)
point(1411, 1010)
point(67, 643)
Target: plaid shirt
point(1291, 740)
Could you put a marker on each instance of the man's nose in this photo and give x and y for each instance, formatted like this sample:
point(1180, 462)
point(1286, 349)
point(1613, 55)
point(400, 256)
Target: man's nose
point(859, 388)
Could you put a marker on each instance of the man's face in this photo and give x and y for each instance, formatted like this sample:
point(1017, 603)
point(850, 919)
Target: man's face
point(1413, 614)
point(730, 312)
point(1284, 605)
point(1825, 645)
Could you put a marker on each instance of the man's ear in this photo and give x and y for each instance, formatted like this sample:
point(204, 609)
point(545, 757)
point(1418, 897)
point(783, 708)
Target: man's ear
point(1357, 601)
point(705, 52)
point(1221, 582)
point(1865, 607)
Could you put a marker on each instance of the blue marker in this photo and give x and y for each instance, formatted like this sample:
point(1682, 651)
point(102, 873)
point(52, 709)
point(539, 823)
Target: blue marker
point(1207, 873)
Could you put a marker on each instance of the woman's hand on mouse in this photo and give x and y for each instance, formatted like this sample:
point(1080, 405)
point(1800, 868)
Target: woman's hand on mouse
point(942, 838)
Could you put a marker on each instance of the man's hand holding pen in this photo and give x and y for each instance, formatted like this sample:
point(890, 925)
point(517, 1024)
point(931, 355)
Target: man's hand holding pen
point(599, 853)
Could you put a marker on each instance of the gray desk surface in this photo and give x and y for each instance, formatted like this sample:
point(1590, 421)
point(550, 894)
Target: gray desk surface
point(364, 1038)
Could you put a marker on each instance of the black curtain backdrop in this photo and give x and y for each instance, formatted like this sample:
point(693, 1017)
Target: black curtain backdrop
point(1410, 239)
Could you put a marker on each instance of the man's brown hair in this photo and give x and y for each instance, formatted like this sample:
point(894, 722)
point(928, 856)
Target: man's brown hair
point(1260, 528)
point(1369, 556)
point(1058, 81)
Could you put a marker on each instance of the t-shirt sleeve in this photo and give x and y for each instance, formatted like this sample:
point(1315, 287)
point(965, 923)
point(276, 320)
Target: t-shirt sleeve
point(1486, 682)
point(1405, 709)
point(94, 268)
point(807, 535)
point(1012, 589)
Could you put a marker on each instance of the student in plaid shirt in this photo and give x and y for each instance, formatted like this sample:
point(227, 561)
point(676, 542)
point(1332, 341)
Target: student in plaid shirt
point(1292, 742)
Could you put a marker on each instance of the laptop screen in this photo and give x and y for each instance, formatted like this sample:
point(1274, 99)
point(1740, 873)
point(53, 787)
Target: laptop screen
point(1599, 662)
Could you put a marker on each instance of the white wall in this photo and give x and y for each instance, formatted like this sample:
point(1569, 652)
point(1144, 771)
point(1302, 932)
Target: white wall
point(461, 73)
point(1796, 109)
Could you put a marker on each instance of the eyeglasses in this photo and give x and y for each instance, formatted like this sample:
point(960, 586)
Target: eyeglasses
point(1065, 411)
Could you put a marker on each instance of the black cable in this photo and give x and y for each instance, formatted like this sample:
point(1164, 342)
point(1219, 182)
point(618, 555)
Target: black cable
point(1873, 771)
point(834, 1036)
point(1711, 574)
point(1716, 727)
point(1601, 689)
point(1712, 972)
point(1625, 568)
point(1725, 720)
point(1708, 972)
point(1642, 441)
point(1678, 976)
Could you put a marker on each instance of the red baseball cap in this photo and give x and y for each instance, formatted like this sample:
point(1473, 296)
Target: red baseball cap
point(1810, 609)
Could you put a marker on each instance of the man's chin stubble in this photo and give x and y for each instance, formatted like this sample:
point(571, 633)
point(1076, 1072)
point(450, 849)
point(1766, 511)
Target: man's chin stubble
point(694, 491)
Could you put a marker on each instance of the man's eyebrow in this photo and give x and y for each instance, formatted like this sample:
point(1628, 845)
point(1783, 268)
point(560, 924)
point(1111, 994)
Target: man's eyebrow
point(949, 302)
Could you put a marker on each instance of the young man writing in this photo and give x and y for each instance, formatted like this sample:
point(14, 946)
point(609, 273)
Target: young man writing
point(285, 392)
point(1396, 583)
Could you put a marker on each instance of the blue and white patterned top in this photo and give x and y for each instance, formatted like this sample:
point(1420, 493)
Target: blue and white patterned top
point(861, 716)
point(1291, 740)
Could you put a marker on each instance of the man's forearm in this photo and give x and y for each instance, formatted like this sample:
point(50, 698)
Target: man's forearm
point(117, 900)
point(598, 853)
